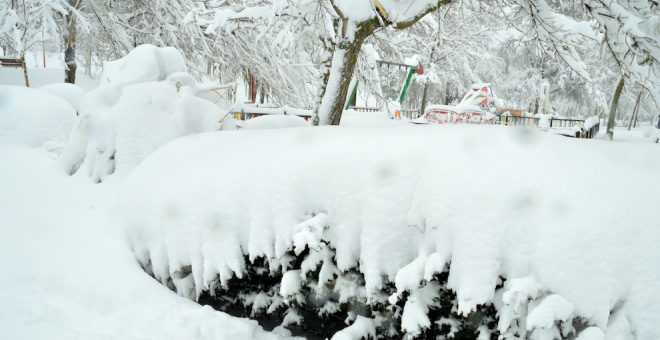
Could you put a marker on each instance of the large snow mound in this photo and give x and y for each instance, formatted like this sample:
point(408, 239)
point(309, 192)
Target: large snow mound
point(397, 203)
point(31, 118)
point(66, 273)
point(143, 64)
point(148, 115)
point(70, 92)
point(143, 102)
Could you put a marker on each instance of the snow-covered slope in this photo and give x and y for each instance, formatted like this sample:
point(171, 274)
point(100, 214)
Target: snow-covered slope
point(399, 202)
point(65, 273)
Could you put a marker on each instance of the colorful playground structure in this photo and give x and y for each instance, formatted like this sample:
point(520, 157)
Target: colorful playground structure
point(475, 108)
point(478, 106)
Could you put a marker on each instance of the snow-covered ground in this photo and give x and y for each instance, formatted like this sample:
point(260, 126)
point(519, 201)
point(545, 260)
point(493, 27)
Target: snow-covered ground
point(576, 217)
point(67, 271)
point(570, 225)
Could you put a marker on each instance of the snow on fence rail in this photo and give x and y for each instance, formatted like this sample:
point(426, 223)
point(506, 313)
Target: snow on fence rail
point(364, 109)
point(249, 112)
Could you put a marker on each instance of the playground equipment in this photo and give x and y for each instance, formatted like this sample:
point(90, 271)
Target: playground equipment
point(412, 69)
point(477, 106)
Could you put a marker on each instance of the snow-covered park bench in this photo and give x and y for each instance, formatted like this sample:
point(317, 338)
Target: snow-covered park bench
point(11, 62)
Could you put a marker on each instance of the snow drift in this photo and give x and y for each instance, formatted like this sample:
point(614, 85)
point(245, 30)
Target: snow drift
point(32, 118)
point(399, 204)
point(69, 92)
point(144, 101)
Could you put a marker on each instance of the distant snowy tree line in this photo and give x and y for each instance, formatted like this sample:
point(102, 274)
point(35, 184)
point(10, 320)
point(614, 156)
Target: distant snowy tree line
point(304, 53)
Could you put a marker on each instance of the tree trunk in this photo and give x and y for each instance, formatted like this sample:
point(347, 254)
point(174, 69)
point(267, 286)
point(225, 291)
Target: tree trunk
point(347, 49)
point(70, 54)
point(262, 92)
point(426, 85)
point(536, 106)
point(447, 93)
point(324, 72)
point(339, 79)
point(27, 82)
point(88, 64)
point(613, 106)
point(634, 113)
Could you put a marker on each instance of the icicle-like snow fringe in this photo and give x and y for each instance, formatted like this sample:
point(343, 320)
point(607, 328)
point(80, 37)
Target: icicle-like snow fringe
point(306, 283)
point(339, 223)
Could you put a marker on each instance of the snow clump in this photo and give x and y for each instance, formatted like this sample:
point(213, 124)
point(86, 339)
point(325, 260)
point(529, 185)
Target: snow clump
point(144, 100)
point(33, 118)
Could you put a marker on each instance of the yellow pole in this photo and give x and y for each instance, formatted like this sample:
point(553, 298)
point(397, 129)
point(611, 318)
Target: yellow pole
point(380, 8)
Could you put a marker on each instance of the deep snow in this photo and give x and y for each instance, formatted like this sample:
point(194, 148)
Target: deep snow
point(66, 273)
point(573, 217)
point(570, 224)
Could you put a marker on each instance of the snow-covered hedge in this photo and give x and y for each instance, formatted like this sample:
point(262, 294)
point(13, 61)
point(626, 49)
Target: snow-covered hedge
point(365, 216)
point(144, 100)
point(32, 118)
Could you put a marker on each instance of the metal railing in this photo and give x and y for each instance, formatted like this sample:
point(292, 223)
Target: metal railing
point(591, 133)
point(555, 123)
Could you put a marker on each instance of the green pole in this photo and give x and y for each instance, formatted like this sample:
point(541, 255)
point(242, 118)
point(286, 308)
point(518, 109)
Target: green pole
point(405, 87)
point(352, 95)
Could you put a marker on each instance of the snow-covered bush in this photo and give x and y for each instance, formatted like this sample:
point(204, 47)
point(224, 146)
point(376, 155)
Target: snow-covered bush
point(69, 92)
point(144, 101)
point(372, 219)
point(30, 117)
point(311, 297)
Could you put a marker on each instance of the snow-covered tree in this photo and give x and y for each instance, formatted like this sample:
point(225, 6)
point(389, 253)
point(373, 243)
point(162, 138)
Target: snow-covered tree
point(24, 23)
point(278, 43)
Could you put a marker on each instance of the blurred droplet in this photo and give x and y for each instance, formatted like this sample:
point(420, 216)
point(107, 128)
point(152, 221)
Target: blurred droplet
point(525, 135)
point(5, 98)
point(386, 170)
